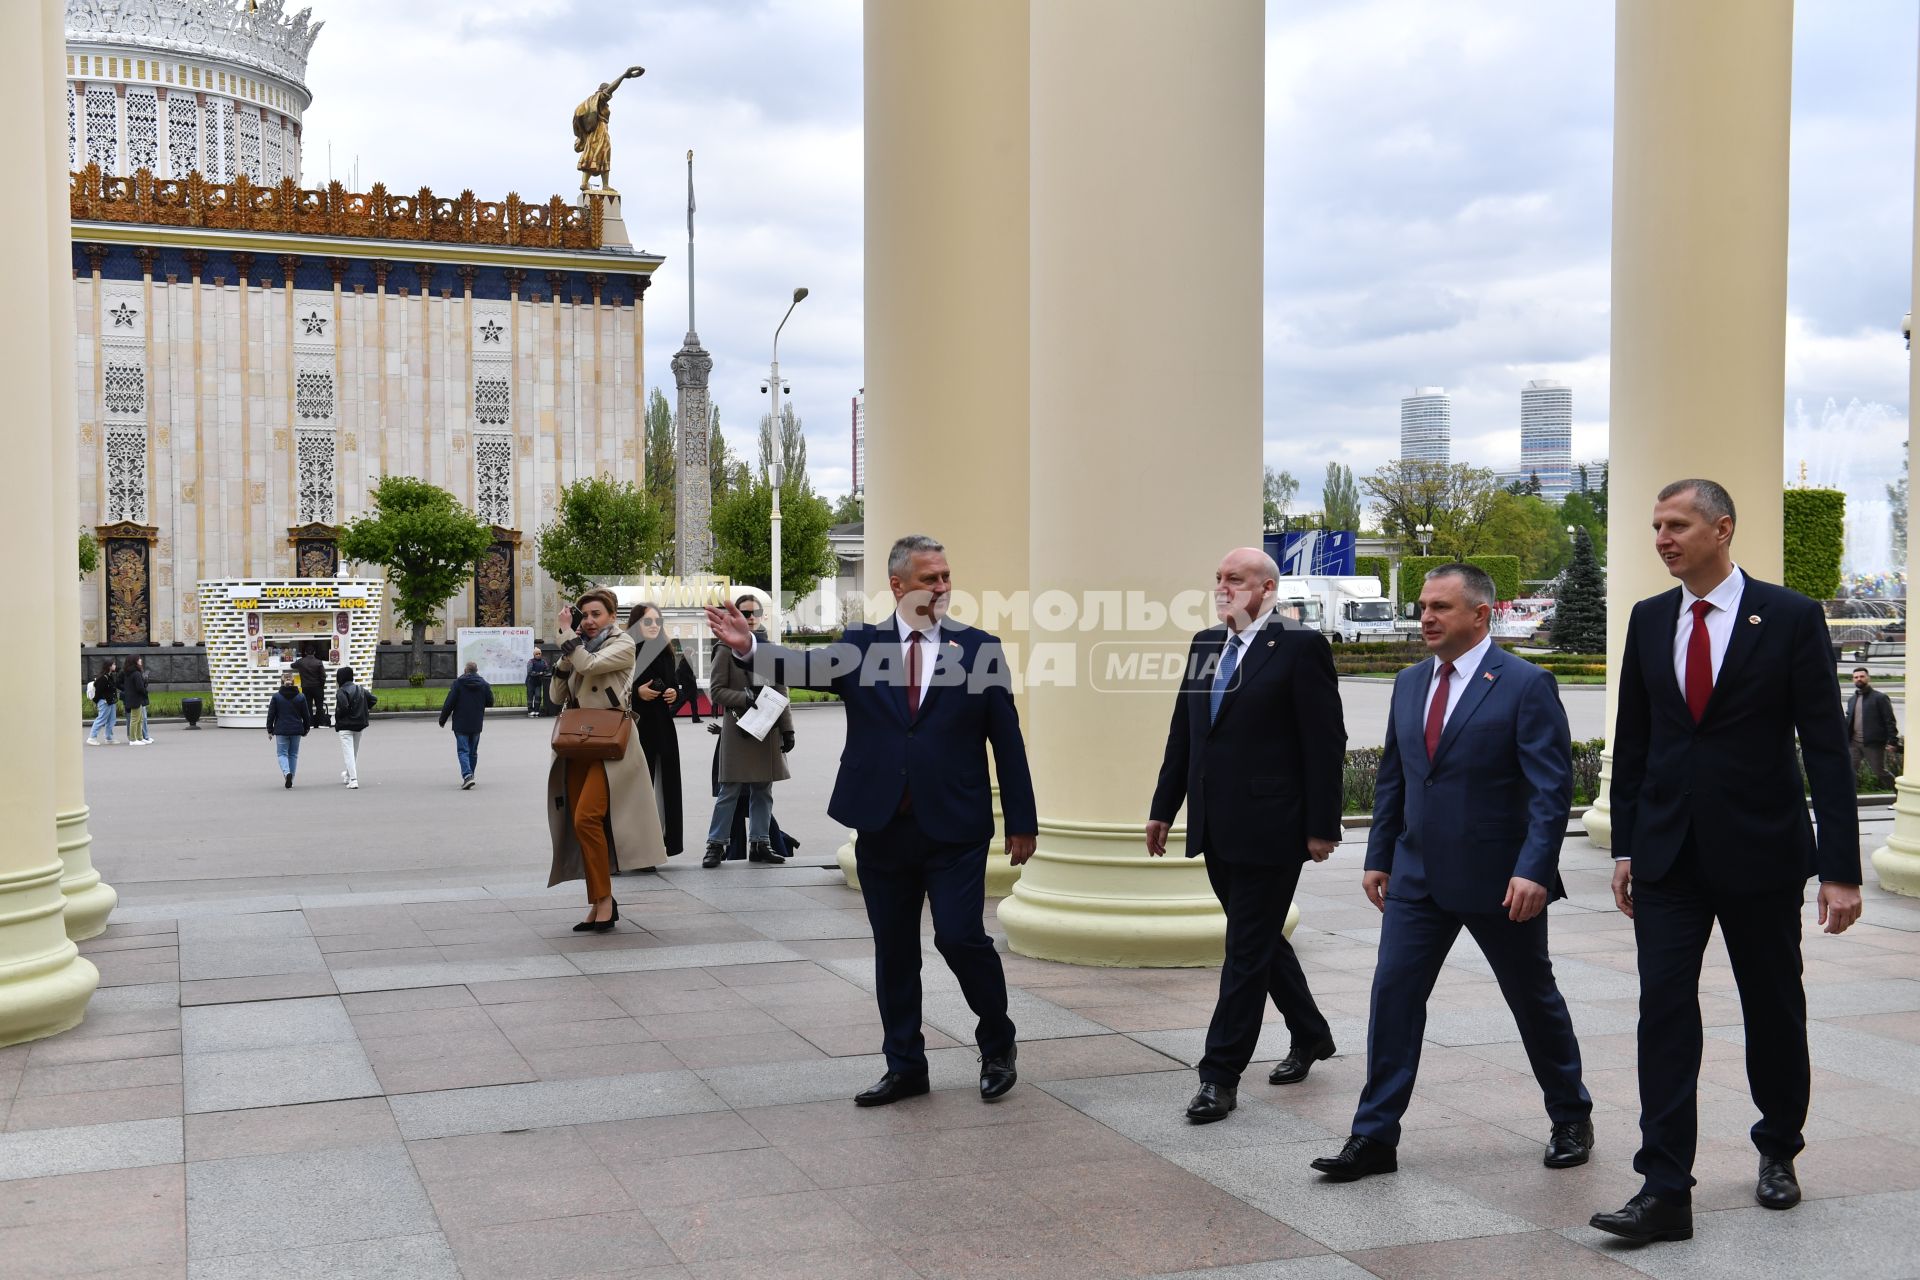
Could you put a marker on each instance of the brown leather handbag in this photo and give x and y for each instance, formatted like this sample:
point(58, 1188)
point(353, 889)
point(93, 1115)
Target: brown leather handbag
point(593, 733)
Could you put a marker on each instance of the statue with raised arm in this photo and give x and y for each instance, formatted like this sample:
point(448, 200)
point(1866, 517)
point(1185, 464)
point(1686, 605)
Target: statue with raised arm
point(590, 129)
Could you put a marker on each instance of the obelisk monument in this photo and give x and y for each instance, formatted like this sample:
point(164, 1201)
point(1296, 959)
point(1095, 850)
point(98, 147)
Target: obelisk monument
point(693, 492)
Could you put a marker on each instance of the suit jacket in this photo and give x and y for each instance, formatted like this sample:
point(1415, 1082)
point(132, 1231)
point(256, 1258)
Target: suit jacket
point(1492, 804)
point(1878, 726)
point(1734, 780)
point(1267, 774)
point(940, 755)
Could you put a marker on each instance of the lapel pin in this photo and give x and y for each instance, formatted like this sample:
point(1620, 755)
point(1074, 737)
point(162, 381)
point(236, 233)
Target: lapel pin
point(1753, 619)
point(1487, 676)
point(1271, 643)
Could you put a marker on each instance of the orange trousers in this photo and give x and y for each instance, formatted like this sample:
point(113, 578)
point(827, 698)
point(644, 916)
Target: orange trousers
point(587, 803)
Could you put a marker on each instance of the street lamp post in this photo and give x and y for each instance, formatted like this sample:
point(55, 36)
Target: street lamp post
point(776, 471)
point(1424, 532)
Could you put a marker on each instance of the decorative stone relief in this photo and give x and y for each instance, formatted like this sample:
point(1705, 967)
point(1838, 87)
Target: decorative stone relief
point(125, 384)
point(143, 130)
point(183, 135)
point(257, 492)
point(491, 399)
point(103, 127)
point(282, 439)
point(316, 470)
point(493, 479)
point(126, 474)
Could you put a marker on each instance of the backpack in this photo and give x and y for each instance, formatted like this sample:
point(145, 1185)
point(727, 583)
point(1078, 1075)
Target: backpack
point(90, 697)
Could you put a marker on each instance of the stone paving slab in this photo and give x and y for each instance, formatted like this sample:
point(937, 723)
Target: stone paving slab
point(250, 1205)
point(549, 1103)
point(46, 1153)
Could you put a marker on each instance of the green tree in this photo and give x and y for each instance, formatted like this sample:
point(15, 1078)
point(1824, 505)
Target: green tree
point(1277, 491)
point(605, 528)
point(851, 509)
point(743, 535)
point(725, 471)
point(1580, 613)
point(792, 443)
point(429, 545)
point(1453, 499)
point(1897, 500)
point(89, 554)
point(1578, 509)
point(660, 449)
point(1528, 527)
point(1340, 499)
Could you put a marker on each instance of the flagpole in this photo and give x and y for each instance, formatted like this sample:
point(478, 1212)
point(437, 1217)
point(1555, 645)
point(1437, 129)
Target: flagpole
point(691, 329)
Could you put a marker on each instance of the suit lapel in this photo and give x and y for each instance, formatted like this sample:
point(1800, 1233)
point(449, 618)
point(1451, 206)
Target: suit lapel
point(1470, 699)
point(888, 635)
point(947, 654)
point(1748, 623)
point(1410, 716)
point(1660, 662)
point(1260, 647)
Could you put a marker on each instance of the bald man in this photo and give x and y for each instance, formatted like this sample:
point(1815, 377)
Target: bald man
point(1255, 752)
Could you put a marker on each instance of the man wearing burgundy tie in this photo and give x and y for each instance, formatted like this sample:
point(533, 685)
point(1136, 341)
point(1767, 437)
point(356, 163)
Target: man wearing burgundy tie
point(1255, 752)
point(1718, 678)
point(1469, 813)
point(925, 697)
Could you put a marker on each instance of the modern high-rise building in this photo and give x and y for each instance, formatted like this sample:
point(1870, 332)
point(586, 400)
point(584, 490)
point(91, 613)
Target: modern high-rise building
point(860, 444)
point(1546, 436)
point(1426, 426)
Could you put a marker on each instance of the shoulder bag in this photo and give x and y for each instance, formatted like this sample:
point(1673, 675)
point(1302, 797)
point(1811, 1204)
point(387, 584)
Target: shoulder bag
point(593, 733)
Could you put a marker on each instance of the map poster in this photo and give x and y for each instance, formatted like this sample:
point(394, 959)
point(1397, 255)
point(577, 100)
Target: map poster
point(501, 652)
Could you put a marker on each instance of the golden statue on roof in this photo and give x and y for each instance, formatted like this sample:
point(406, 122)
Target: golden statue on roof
point(590, 129)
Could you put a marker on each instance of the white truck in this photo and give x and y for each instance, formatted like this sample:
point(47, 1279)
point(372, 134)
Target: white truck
point(1342, 608)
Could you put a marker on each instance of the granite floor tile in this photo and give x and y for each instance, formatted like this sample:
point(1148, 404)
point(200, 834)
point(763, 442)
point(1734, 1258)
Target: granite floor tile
point(606, 1244)
point(624, 1143)
point(1325, 1266)
point(267, 1024)
point(419, 1257)
point(1538, 1253)
point(454, 1071)
point(273, 1131)
point(692, 1179)
point(129, 1222)
point(844, 1262)
point(284, 986)
point(106, 1106)
point(580, 1062)
point(244, 1078)
point(1027, 1251)
point(684, 956)
point(128, 1144)
point(407, 1000)
point(589, 1033)
point(777, 1046)
point(494, 1178)
point(764, 1225)
point(551, 1103)
point(248, 958)
point(91, 1077)
point(459, 1020)
point(902, 1209)
point(64, 1049)
point(263, 1204)
point(1842, 1237)
point(1150, 1109)
point(441, 973)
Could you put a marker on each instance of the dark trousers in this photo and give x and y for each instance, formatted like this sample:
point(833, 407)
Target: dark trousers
point(1415, 937)
point(900, 868)
point(1259, 963)
point(1672, 919)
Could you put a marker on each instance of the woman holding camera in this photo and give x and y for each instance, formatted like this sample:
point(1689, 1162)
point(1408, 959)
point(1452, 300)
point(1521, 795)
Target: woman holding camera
point(600, 813)
point(656, 696)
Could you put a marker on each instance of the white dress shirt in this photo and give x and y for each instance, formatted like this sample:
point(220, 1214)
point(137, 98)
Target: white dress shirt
point(1465, 667)
point(929, 638)
point(1725, 600)
point(1242, 638)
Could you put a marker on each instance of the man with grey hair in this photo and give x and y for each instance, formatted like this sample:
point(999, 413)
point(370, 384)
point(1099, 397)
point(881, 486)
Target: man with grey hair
point(1726, 686)
point(925, 698)
point(1255, 753)
point(1475, 780)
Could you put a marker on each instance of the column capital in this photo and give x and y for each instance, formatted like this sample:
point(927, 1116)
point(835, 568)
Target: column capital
point(243, 266)
point(556, 282)
point(144, 255)
point(597, 282)
point(96, 256)
point(515, 278)
point(337, 268)
point(642, 283)
point(289, 263)
point(425, 271)
point(196, 262)
point(381, 267)
point(466, 272)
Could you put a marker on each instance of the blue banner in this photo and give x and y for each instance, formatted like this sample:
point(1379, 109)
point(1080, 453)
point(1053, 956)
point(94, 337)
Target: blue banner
point(1311, 553)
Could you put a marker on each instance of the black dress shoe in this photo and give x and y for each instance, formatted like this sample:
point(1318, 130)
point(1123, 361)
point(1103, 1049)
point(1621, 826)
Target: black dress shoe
point(892, 1087)
point(1300, 1058)
point(1778, 1188)
point(1362, 1157)
point(762, 851)
point(1569, 1145)
point(715, 855)
point(1647, 1218)
point(997, 1074)
point(1212, 1102)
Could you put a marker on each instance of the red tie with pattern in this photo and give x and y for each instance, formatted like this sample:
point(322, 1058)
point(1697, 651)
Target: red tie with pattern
point(1437, 709)
point(1699, 662)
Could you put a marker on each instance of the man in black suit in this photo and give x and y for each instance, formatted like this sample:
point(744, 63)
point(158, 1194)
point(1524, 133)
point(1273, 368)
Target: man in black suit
point(1256, 751)
point(1717, 679)
point(925, 697)
point(1871, 728)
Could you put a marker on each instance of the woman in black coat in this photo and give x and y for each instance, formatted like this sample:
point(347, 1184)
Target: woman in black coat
point(653, 697)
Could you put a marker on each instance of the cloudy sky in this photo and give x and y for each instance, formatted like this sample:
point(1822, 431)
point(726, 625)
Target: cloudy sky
point(1438, 184)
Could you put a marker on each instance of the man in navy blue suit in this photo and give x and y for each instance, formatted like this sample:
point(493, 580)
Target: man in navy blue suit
point(924, 697)
point(1468, 816)
point(1727, 685)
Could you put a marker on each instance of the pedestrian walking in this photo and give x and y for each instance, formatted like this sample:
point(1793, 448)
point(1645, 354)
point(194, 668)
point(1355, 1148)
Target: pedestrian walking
point(538, 673)
point(313, 686)
point(133, 693)
point(600, 812)
point(352, 706)
point(287, 723)
point(1871, 729)
point(466, 706)
point(655, 696)
point(689, 685)
point(104, 689)
point(748, 766)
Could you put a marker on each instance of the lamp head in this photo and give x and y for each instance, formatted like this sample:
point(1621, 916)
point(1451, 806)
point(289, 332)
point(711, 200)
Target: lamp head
point(799, 294)
point(776, 474)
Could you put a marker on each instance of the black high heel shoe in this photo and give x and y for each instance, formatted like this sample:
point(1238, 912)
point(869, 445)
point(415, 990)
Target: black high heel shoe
point(606, 926)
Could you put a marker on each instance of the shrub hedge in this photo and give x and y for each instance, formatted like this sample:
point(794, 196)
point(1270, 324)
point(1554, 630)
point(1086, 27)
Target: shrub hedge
point(1362, 773)
point(1814, 527)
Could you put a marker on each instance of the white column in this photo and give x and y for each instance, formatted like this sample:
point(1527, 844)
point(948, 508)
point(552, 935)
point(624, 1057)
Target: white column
point(1147, 166)
point(1701, 98)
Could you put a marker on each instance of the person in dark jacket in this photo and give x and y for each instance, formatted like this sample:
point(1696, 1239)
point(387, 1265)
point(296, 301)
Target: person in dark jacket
point(537, 673)
point(106, 703)
point(466, 706)
point(313, 685)
point(689, 686)
point(1871, 728)
point(654, 696)
point(352, 705)
point(134, 694)
point(287, 723)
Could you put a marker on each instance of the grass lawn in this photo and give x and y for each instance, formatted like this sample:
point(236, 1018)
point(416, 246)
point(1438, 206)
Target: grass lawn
point(166, 703)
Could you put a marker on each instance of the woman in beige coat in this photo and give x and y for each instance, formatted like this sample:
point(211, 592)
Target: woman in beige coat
point(601, 813)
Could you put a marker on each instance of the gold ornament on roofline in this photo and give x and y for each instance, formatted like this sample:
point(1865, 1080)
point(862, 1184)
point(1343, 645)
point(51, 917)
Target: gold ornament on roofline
point(376, 214)
point(590, 129)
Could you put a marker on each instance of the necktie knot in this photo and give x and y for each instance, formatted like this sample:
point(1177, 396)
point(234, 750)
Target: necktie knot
point(1701, 608)
point(1437, 709)
point(1446, 670)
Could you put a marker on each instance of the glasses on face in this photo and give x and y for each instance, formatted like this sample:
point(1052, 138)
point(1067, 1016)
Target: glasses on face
point(749, 614)
point(649, 622)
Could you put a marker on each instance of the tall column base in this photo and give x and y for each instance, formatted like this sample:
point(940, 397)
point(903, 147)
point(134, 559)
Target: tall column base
point(90, 900)
point(1092, 896)
point(1897, 862)
point(1598, 819)
point(44, 982)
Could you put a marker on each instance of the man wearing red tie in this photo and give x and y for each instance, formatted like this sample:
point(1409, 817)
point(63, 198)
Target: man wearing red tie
point(1710, 826)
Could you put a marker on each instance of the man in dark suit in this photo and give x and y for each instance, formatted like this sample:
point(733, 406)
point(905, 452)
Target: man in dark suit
point(1255, 751)
point(1718, 678)
point(1475, 782)
point(1871, 728)
point(925, 697)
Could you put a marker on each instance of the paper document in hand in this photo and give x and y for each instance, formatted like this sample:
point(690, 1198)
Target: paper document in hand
point(765, 712)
